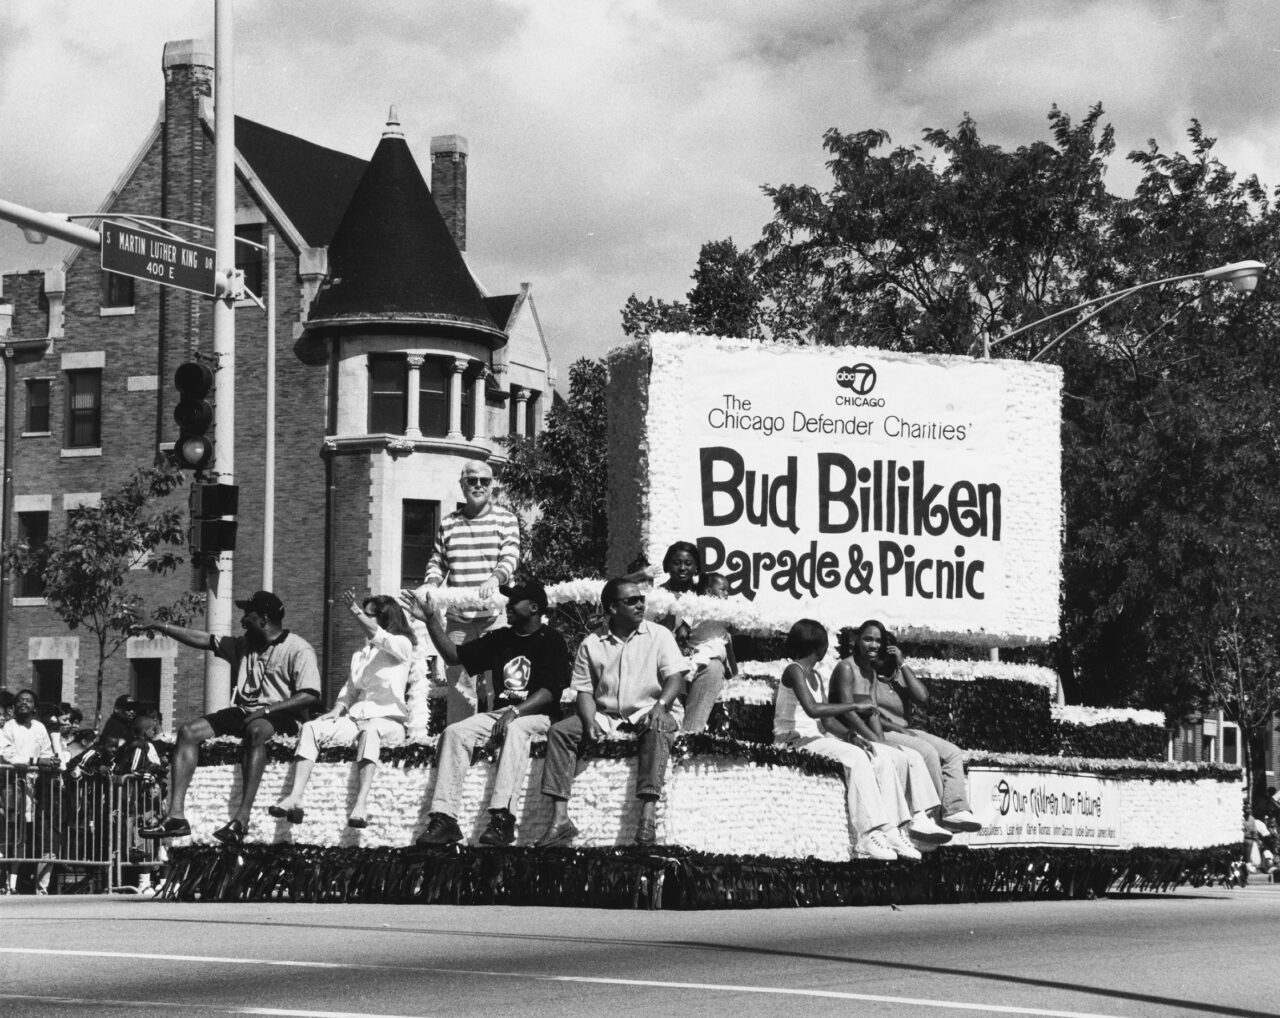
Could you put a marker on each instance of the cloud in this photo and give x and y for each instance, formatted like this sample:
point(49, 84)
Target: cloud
point(610, 140)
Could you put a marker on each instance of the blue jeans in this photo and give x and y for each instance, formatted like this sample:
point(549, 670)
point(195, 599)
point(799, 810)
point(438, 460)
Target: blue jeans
point(564, 742)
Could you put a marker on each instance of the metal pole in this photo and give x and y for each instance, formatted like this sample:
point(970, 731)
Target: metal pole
point(48, 223)
point(269, 497)
point(217, 676)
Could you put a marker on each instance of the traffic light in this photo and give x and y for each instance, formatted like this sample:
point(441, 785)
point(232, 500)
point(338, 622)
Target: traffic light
point(210, 532)
point(194, 416)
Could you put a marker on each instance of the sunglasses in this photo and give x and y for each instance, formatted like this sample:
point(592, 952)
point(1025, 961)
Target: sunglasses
point(477, 482)
point(632, 601)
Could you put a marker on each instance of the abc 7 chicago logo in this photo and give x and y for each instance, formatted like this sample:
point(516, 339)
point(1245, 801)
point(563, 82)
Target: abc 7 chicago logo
point(860, 379)
point(1000, 797)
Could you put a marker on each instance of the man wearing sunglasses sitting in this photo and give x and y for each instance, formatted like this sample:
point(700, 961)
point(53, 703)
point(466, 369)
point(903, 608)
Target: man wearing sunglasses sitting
point(478, 547)
point(627, 676)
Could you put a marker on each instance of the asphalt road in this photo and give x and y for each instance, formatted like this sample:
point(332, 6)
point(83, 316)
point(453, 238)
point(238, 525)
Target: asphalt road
point(1189, 953)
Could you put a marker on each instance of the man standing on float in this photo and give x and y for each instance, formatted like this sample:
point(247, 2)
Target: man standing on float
point(477, 548)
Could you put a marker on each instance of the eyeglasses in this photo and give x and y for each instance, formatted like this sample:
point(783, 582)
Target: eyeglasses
point(477, 482)
point(631, 602)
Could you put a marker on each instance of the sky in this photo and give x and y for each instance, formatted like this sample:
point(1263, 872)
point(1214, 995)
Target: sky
point(609, 139)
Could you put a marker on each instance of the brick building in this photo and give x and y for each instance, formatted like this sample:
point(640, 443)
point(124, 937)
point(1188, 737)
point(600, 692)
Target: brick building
point(393, 367)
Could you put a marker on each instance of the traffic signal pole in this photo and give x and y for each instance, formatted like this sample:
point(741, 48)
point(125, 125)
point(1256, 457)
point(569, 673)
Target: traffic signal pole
point(219, 583)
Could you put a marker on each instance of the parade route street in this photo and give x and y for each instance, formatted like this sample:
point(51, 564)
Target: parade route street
point(1193, 952)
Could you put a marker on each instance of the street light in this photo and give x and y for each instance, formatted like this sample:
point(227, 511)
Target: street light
point(1243, 277)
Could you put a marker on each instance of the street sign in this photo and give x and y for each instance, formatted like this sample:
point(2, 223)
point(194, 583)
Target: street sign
point(165, 260)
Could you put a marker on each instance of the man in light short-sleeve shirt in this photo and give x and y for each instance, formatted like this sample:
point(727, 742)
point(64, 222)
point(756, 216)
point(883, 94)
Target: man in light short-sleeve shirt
point(277, 682)
point(630, 672)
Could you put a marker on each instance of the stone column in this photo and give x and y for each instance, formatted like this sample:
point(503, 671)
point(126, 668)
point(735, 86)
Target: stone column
point(478, 407)
point(455, 400)
point(413, 426)
point(522, 403)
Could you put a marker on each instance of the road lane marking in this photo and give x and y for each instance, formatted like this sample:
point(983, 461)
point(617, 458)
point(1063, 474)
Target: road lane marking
point(225, 1008)
point(781, 991)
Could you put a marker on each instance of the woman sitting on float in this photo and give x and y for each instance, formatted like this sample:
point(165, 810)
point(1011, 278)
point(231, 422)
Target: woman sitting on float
point(370, 709)
point(684, 576)
point(875, 674)
point(805, 721)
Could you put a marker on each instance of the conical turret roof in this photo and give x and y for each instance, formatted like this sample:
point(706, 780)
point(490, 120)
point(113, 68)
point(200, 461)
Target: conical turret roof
point(392, 259)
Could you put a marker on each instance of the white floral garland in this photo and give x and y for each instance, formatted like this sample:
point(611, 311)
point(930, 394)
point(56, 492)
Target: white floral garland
point(1078, 715)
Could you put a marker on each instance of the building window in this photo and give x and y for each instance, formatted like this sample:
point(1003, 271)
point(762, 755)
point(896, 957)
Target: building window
point(144, 681)
point(37, 406)
point(84, 409)
point(33, 531)
point(117, 290)
point(46, 680)
point(250, 259)
point(433, 398)
point(388, 380)
point(420, 521)
point(532, 418)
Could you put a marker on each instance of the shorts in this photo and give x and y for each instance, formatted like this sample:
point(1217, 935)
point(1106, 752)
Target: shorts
point(230, 721)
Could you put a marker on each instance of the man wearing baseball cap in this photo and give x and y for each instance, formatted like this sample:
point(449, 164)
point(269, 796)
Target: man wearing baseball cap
point(529, 662)
point(277, 681)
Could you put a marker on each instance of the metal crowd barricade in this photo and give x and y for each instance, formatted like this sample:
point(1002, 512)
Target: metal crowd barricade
point(82, 826)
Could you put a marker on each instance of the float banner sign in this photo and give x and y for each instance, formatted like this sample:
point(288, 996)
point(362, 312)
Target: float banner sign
point(143, 254)
point(1032, 807)
point(921, 490)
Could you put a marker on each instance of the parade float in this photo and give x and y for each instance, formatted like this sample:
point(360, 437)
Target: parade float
point(836, 484)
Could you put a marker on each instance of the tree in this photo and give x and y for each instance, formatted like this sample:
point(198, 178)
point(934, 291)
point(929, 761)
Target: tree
point(1169, 438)
point(724, 300)
point(910, 253)
point(1169, 444)
point(89, 567)
point(561, 475)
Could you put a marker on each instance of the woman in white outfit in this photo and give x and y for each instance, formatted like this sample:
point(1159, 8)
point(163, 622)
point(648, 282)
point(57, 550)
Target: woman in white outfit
point(370, 709)
point(877, 806)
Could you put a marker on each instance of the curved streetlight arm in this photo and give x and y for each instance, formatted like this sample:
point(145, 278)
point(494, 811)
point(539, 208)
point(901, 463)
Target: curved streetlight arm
point(1107, 299)
point(1243, 277)
point(1116, 299)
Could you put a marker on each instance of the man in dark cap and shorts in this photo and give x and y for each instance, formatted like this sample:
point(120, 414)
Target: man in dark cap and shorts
point(277, 682)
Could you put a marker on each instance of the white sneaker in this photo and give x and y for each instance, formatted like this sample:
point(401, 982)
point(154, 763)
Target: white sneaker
point(964, 820)
point(874, 845)
point(898, 842)
point(923, 827)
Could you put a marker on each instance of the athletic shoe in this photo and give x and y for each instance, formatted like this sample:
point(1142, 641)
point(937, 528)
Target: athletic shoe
point(924, 829)
point(501, 829)
point(874, 845)
point(964, 820)
point(901, 845)
point(442, 829)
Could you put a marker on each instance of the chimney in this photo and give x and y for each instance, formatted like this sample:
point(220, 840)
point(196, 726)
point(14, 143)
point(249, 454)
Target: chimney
point(188, 82)
point(449, 183)
point(188, 71)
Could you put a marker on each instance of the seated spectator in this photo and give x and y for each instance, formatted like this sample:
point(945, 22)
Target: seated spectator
point(6, 705)
point(880, 673)
point(533, 662)
point(277, 682)
point(370, 709)
point(709, 646)
point(627, 676)
point(877, 808)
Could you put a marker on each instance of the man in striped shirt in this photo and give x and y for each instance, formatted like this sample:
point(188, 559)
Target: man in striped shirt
point(478, 547)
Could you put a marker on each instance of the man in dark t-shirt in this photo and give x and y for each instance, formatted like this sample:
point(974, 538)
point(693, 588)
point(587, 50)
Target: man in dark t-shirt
point(529, 663)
